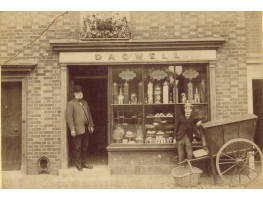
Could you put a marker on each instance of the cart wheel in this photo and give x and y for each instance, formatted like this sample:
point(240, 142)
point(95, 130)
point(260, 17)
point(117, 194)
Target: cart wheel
point(239, 162)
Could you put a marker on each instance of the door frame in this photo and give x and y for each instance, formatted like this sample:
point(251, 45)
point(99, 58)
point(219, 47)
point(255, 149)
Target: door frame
point(65, 96)
point(24, 114)
point(253, 73)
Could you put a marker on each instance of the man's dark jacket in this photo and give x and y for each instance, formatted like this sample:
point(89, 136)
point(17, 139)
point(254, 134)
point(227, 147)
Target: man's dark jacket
point(78, 116)
point(184, 126)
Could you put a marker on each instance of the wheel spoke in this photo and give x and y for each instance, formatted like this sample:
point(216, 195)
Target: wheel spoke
point(249, 155)
point(228, 156)
point(238, 152)
point(223, 163)
point(233, 174)
point(232, 151)
point(246, 174)
point(252, 169)
point(222, 159)
point(228, 169)
point(239, 161)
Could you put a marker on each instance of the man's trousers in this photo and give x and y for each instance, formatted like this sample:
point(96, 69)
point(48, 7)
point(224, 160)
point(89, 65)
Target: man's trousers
point(80, 145)
point(182, 145)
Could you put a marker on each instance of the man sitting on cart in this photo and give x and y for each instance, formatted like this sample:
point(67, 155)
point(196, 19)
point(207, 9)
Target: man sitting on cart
point(184, 132)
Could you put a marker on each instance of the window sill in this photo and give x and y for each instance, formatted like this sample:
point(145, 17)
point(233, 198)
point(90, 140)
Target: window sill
point(146, 147)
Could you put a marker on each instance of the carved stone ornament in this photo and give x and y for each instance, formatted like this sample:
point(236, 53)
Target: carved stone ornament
point(158, 75)
point(190, 73)
point(105, 25)
point(127, 75)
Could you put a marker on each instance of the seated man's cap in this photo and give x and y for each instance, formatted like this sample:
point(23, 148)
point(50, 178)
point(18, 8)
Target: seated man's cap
point(77, 88)
point(188, 105)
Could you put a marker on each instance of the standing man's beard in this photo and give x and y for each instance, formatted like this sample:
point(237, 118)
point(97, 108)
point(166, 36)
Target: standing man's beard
point(79, 96)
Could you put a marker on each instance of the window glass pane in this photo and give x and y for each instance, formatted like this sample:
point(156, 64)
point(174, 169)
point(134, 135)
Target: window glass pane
point(191, 83)
point(127, 85)
point(127, 124)
point(191, 87)
point(159, 84)
point(159, 124)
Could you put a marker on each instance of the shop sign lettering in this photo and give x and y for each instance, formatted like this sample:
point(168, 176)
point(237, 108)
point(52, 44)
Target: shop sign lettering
point(137, 57)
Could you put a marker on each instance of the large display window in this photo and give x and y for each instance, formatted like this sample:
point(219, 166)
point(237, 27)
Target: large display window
point(147, 99)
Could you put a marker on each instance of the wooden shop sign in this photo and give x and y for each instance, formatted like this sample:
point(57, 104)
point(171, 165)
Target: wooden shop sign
point(137, 57)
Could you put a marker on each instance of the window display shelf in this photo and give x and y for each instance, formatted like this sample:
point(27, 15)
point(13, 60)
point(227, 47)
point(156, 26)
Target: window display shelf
point(192, 103)
point(147, 99)
point(126, 104)
point(159, 104)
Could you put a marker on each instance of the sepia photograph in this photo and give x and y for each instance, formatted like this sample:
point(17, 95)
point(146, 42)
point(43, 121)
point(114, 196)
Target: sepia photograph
point(131, 99)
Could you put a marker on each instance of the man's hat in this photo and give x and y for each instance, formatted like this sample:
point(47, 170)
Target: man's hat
point(188, 105)
point(77, 88)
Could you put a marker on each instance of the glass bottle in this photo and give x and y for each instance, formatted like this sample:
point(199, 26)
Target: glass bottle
point(126, 92)
point(165, 92)
point(115, 93)
point(190, 91)
point(157, 93)
point(120, 97)
point(150, 92)
point(197, 96)
point(140, 96)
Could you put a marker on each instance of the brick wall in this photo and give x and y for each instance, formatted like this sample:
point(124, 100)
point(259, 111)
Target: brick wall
point(44, 91)
point(254, 32)
point(240, 29)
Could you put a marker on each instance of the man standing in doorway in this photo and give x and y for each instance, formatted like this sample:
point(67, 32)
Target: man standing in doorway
point(80, 123)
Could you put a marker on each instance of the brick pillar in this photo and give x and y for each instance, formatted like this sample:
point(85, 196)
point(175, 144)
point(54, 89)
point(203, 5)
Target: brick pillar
point(64, 100)
point(212, 73)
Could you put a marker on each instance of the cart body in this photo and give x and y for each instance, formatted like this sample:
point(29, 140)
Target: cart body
point(231, 141)
point(218, 132)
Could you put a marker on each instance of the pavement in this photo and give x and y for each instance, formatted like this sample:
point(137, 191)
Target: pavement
point(100, 178)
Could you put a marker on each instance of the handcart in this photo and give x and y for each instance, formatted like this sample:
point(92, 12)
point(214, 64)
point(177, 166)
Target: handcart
point(230, 141)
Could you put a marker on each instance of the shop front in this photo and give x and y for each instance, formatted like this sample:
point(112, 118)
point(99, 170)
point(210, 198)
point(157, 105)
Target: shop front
point(136, 91)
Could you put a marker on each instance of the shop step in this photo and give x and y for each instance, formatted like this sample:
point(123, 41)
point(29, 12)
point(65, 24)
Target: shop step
point(97, 171)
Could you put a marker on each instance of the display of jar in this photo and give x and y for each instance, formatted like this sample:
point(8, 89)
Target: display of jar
point(183, 97)
point(150, 92)
point(133, 98)
point(126, 92)
point(120, 97)
point(165, 92)
point(197, 96)
point(140, 95)
point(157, 93)
point(115, 93)
point(118, 133)
point(190, 91)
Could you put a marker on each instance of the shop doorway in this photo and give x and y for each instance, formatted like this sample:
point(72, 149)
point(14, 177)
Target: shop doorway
point(94, 81)
point(11, 128)
point(257, 85)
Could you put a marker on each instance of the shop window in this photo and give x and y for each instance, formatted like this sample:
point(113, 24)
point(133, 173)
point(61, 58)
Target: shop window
point(146, 101)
